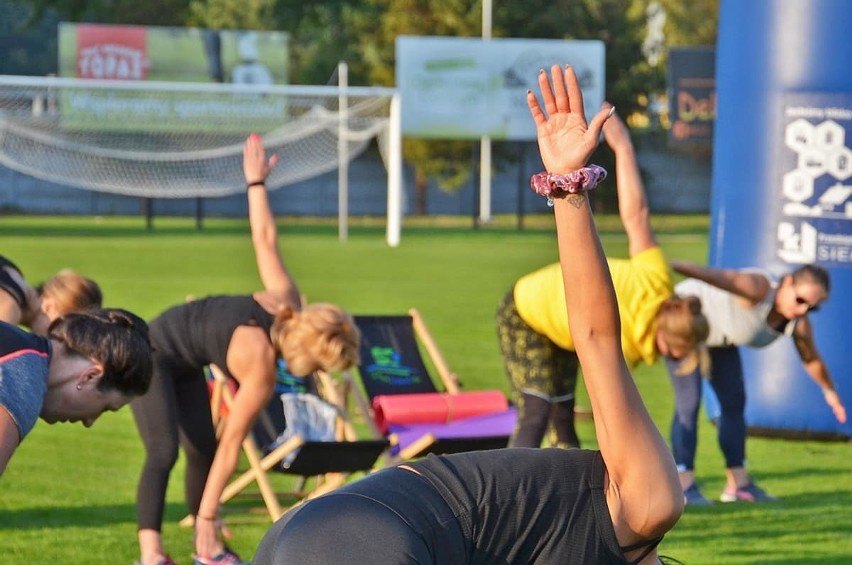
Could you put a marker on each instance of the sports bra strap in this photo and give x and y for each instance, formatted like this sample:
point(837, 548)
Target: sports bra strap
point(649, 546)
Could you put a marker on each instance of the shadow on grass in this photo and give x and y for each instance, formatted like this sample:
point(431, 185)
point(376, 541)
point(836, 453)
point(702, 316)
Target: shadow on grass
point(43, 517)
point(771, 532)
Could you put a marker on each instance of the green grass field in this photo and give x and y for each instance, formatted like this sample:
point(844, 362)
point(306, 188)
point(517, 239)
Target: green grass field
point(67, 496)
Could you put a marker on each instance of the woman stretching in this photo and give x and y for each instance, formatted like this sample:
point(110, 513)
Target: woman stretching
point(520, 505)
point(244, 336)
point(532, 324)
point(35, 308)
point(88, 362)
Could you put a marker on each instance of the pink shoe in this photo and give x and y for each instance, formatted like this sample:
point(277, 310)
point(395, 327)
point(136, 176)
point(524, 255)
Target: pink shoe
point(747, 493)
point(227, 557)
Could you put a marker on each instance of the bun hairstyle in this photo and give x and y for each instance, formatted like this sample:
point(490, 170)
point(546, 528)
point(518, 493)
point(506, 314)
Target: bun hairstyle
point(71, 292)
point(320, 336)
point(683, 325)
point(115, 338)
point(813, 273)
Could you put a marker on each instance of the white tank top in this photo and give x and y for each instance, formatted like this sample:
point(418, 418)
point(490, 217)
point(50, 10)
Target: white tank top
point(730, 322)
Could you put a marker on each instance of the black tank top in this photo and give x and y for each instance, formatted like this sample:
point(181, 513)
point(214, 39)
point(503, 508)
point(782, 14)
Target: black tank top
point(9, 284)
point(528, 505)
point(198, 333)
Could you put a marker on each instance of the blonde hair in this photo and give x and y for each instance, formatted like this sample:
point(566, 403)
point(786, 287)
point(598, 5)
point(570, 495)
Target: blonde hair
point(320, 336)
point(683, 325)
point(71, 292)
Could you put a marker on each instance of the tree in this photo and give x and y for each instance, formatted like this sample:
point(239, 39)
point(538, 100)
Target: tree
point(375, 26)
point(691, 23)
point(151, 12)
point(620, 24)
point(319, 39)
point(231, 14)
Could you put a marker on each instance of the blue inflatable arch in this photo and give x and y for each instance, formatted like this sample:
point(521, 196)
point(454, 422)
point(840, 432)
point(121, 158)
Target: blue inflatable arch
point(782, 187)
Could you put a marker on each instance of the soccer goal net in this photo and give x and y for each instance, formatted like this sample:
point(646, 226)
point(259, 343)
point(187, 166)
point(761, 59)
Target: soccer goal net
point(181, 140)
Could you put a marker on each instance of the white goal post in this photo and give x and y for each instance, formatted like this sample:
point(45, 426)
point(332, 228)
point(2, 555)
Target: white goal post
point(183, 140)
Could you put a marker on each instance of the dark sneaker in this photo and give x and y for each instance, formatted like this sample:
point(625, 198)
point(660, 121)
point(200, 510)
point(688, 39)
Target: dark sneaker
point(693, 497)
point(227, 557)
point(747, 493)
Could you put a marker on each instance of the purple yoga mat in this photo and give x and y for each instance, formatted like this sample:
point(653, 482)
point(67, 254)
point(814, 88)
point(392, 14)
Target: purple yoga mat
point(489, 425)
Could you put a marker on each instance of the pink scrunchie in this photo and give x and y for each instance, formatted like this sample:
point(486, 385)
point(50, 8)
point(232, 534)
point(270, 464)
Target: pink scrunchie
point(558, 186)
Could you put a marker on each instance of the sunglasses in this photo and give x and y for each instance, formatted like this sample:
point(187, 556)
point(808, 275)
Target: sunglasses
point(811, 307)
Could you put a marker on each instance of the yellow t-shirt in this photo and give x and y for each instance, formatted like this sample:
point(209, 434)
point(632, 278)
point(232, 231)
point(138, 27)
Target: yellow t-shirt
point(642, 283)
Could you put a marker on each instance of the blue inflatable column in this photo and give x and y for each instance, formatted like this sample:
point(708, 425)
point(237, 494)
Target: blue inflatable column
point(782, 185)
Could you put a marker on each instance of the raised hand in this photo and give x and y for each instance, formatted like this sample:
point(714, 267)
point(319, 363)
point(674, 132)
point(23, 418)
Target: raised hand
point(256, 166)
point(565, 140)
point(616, 134)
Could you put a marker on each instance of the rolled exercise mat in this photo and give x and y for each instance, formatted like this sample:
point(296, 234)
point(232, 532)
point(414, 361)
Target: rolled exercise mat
point(435, 407)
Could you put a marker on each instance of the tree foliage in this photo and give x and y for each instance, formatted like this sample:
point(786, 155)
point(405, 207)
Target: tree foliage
point(231, 14)
point(691, 23)
point(133, 12)
point(620, 24)
point(375, 28)
point(319, 39)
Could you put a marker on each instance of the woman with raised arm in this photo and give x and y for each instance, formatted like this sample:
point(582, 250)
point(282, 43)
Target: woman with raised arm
point(520, 505)
point(532, 324)
point(244, 336)
point(746, 308)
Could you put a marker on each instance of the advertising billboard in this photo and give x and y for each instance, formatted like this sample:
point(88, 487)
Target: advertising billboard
point(692, 95)
point(467, 87)
point(170, 55)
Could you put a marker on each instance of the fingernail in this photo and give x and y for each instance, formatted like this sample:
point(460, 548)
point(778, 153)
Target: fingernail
point(541, 71)
point(611, 112)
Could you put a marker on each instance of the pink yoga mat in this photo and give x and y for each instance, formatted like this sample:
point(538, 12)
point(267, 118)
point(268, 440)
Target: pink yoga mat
point(435, 407)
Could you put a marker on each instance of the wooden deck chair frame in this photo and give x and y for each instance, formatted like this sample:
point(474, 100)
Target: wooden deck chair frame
point(428, 443)
point(260, 465)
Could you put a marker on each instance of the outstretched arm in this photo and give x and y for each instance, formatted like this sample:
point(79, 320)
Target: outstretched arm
point(644, 495)
point(632, 201)
point(816, 368)
point(750, 286)
point(264, 234)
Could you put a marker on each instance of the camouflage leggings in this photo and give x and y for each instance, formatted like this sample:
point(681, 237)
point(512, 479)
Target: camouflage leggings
point(538, 370)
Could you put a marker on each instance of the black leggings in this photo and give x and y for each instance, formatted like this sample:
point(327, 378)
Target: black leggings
point(175, 410)
point(367, 529)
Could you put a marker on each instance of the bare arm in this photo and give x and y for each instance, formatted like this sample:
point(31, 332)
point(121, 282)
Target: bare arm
point(251, 359)
point(264, 234)
point(815, 366)
point(644, 494)
point(753, 287)
point(9, 438)
point(632, 201)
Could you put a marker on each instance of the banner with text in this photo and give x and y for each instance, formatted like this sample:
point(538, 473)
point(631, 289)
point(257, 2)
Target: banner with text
point(816, 191)
point(692, 95)
point(466, 87)
point(169, 54)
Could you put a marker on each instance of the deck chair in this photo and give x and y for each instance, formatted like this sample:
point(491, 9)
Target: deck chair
point(403, 402)
point(316, 440)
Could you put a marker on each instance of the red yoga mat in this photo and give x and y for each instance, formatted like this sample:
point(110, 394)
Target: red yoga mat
point(435, 407)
